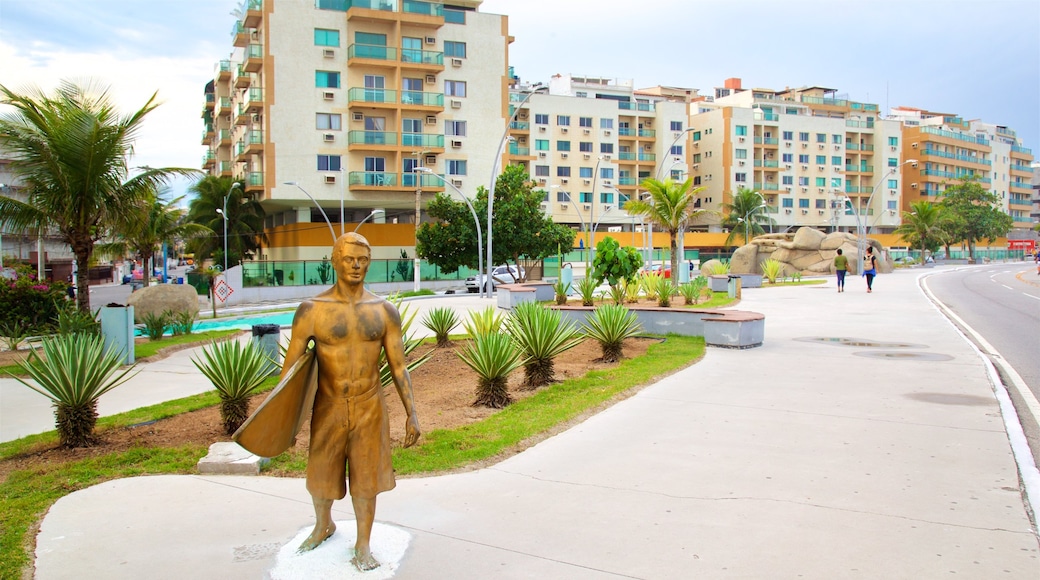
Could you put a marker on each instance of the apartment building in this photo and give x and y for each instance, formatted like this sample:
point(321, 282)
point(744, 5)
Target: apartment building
point(26, 246)
point(818, 160)
point(952, 149)
point(336, 103)
point(589, 142)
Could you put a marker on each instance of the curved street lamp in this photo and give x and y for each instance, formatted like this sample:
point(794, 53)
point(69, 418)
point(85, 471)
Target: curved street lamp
point(861, 225)
point(374, 213)
point(223, 214)
point(476, 222)
point(332, 232)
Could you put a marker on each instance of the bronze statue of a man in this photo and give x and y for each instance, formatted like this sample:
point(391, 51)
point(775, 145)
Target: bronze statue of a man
point(349, 426)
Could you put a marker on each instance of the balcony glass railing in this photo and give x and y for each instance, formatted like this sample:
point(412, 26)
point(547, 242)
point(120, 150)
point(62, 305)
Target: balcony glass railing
point(426, 180)
point(238, 28)
point(863, 107)
point(420, 98)
point(851, 188)
point(1017, 149)
point(371, 138)
point(627, 181)
point(344, 5)
point(373, 178)
point(648, 157)
point(208, 157)
point(254, 137)
point(859, 124)
point(1020, 167)
point(769, 163)
point(254, 97)
point(626, 132)
point(363, 95)
point(520, 125)
point(630, 106)
point(421, 56)
point(957, 136)
point(255, 178)
point(768, 186)
point(422, 140)
point(626, 156)
point(240, 148)
point(225, 134)
point(965, 158)
point(454, 16)
point(647, 133)
point(822, 101)
point(224, 66)
point(860, 168)
point(515, 149)
point(225, 167)
point(373, 51)
point(225, 103)
point(255, 51)
point(425, 8)
point(210, 98)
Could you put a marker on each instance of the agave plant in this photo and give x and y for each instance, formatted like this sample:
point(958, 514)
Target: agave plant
point(648, 284)
point(632, 291)
point(155, 324)
point(617, 293)
point(492, 356)
point(560, 289)
point(74, 372)
point(385, 377)
point(664, 291)
point(693, 290)
point(182, 322)
point(441, 321)
point(236, 371)
point(483, 322)
point(71, 320)
point(13, 333)
point(542, 335)
point(610, 325)
point(719, 268)
point(771, 270)
point(587, 290)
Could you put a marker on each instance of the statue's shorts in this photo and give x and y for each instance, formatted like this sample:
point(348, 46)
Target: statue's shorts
point(349, 431)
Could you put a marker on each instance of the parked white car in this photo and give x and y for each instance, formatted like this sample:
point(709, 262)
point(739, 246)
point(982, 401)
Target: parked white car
point(499, 275)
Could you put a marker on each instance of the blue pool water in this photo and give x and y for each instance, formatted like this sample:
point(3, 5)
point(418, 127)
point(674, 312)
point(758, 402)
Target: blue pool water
point(241, 323)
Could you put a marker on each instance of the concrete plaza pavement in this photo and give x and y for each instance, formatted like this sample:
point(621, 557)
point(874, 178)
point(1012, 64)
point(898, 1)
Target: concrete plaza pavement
point(863, 439)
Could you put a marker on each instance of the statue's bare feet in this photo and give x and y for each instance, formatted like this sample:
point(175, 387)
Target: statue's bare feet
point(363, 560)
point(318, 536)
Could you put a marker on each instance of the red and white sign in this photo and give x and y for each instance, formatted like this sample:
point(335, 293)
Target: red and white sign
point(1027, 245)
point(223, 290)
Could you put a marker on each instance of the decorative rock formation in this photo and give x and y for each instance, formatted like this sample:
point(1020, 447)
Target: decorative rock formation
point(176, 298)
point(807, 251)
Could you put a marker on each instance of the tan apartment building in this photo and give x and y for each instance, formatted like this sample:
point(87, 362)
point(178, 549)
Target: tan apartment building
point(335, 103)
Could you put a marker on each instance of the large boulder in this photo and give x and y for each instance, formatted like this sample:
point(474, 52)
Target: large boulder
point(744, 260)
point(835, 240)
point(808, 238)
point(706, 267)
point(808, 251)
point(157, 299)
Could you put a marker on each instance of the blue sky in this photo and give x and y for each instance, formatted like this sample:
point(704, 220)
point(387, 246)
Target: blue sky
point(980, 60)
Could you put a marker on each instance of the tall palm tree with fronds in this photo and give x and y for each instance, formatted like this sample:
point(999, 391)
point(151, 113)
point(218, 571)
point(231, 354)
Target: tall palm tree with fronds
point(745, 215)
point(922, 226)
point(245, 215)
point(153, 221)
point(669, 206)
point(71, 151)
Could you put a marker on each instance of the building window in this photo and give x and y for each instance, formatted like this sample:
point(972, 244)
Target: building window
point(541, 144)
point(675, 174)
point(585, 146)
point(788, 135)
point(803, 158)
point(741, 153)
point(788, 157)
point(563, 120)
point(607, 148)
point(787, 202)
point(836, 139)
point(455, 166)
point(821, 182)
point(585, 121)
point(563, 171)
point(893, 141)
point(455, 128)
point(606, 197)
point(835, 159)
point(803, 181)
point(325, 37)
point(675, 150)
point(606, 173)
point(893, 204)
point(803, 136)
point(581, 94)
point(821, 137)
point(455, 88)
point(893, 183)
point(454, 49)
point(563, 196)
point(563, 145)
point(741, 130)
point(328, 163)
point(585, 172)
point(696, 157)
point(696, 135)
point(454, 16)
point(541, 119)
point(893, 162)
point(606, 123)
point(585, 197)
point(541, 171)
point(740, 177)
point(325, 79)
point(836, 182)
point(803, 203)
point(787, 180)
point(328, 121)
point(676, 125)
point(821, 159)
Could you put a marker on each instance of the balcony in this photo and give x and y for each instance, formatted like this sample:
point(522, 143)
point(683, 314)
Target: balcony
point(626, 132)
point(242, 78)
point(376, 96)
point(626, 156)
point(630, 106)
point(1017, 149)
point(346, 5)
point(224, 105)
point(422, 140)
point(767, 141)
point(422, 99)
point(254, 13)
point(860, 168)
point(254, 141)
point(207, 134)
point(769, 186)
point(371, 138)
point(859, 124)
point(628, 181)
point(254, 56)
point(520, 126)
point(254, 181)
point(647, 133)
point(1023, 168)
point(240, 151)
point(225, 137)
point(254, 100)
point(372, 179)
point(224, 70)
point(519, 151)
point(424, 8)
point(426, 180)
point(648, 157)
point(965, 158)
point(242, 116)
point(209, 159)
point(239, 34)
point(957, 136)
point(767, 163)
point(225, 169)
point(371, 52)
point(423, 57)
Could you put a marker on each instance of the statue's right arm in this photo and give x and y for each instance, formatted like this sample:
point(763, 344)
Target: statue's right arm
point(302, 328)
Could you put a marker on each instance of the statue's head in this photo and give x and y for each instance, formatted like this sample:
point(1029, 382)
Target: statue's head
point(351, 257)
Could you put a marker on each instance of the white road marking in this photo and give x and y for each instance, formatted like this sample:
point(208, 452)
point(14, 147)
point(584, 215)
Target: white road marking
point(1008, 287)
point(1031, 296)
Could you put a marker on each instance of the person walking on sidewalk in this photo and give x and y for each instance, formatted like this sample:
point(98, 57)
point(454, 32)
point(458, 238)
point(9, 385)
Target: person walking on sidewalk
point(841, 267)
point(870, 268)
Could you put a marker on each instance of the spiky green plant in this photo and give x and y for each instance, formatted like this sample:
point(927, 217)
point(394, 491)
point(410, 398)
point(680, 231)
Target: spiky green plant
point(796, 276)
point(236, 371)
point(13, 333)
point(632, 290)
point(693, 290)
point(617, 293)
point(75, 370)
point(407, 317)
point(586, 288)
point(155, 324)
point(649, 283)
point(664, 291)
point(182, 322)
point(542, 335)
point(610, 325)
point(492, 356)
point(771, 269)
point(440, 321)
point(560, 289)
point(74, 321)
point(719, 268)
point(483, 322)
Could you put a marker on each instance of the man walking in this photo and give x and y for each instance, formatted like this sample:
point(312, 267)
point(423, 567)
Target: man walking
point(841, 267)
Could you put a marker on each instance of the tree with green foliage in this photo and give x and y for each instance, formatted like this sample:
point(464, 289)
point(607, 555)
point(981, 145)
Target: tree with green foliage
point(745, 215)
point(921, 227)
point(521, 229)
point(245, 221)
point(614, 263)
point(975, 213)
point(669, 206)
point(71, 151)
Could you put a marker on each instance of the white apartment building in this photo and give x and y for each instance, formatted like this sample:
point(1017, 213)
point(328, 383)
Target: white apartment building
point(335, 103)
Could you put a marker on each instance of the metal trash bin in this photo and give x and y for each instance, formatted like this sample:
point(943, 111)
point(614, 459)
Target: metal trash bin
point(267, 336)
point(117, 329)
point(733, 287)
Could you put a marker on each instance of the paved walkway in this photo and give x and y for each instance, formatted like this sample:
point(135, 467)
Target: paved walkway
point(882, 455)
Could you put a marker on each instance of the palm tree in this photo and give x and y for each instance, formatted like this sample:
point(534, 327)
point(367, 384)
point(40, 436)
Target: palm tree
point(153, 221)
point(670, 207)
point(71, 151)
point(922, 226)
point(245, 215)
point(744, 214)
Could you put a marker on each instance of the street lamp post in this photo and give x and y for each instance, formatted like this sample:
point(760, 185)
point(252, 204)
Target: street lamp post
point(374, 213)
point(582, 219)
point(332, 232)
point(537, 87)
point(476, 222)
point(861, 225)
point(223, 214)
point(650, 225)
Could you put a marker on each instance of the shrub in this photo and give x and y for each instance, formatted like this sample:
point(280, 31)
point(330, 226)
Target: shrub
point(30, 303)
point(13, 333)
point(771, 269)
point(182, 322)
point(632, 290)
point(560, 289)
point(155, 324)
point(610, 325)
point(483, 322)
point(75, 370)
point(72, 320)
point(664, 291)
point(441, 321)
point(542, 335)
point(236, 371)
point(385, 377)
point(719, 268)
point(649, 283)
point(693, 290)
point(492, 357)
point(615, 264)
point(586, 288)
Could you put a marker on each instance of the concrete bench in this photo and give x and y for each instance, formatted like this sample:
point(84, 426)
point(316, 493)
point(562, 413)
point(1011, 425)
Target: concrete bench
point(719, 327)
point(509, 295)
